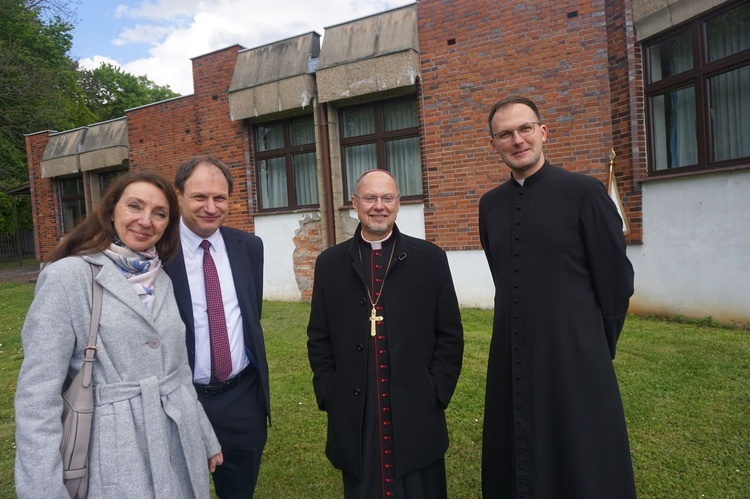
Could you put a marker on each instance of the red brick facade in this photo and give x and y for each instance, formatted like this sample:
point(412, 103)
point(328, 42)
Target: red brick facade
point(44, 202)
point(573, 59)
point(578, 61)
point(163, 135)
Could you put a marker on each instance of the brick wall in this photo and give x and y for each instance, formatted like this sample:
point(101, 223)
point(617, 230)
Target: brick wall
point(626, 100)
point(43, 198)
point(163, 135)
point(221, 137)
point(475, 52)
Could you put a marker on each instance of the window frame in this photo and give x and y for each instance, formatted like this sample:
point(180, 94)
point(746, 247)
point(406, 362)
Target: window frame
point(287, 152)
point(79, 198)
point(379, 137)
point(697, 77)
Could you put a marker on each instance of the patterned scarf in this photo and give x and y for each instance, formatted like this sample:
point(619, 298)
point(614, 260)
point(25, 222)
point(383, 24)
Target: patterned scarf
point(139, 268)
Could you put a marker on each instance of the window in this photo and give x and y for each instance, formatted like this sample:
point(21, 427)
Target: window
point(382, 135)
point(286, 165)
point(73, 202)
point(698, 92)
point(106, 178)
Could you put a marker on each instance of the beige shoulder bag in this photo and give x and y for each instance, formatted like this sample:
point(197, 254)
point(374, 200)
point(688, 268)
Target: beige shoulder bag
point(78, 408)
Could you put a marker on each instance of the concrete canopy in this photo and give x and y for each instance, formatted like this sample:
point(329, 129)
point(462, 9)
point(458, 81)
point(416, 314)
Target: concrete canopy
point(95, 147)
point(274, 78)
point(61, 154)
point(373, 54)
point(105, 145)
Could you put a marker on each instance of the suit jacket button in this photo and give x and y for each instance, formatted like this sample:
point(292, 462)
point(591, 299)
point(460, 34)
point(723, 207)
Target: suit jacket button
point(153, 342)
point(357, 391)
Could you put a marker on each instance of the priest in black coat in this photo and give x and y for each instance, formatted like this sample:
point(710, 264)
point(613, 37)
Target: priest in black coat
point(385, 345)
point(554, 424)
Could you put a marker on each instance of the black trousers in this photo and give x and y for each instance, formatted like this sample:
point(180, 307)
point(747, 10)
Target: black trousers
point(238, 417)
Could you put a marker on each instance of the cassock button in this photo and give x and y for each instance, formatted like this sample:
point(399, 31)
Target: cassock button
point(360, 347)
point(518, 207)
point(362, 301)
point(357, 392)
point(153, 342)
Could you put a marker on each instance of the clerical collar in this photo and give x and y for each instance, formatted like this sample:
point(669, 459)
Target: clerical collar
point(376, 245)
point(520, 181)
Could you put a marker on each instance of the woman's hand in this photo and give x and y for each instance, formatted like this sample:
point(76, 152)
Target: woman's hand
point(214, 461)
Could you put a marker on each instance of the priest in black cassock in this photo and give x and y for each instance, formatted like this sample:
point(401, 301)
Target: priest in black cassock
point(385, 345)
point(554, 425)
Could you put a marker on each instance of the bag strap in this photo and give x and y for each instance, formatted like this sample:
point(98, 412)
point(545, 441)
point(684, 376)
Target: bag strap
point(89, 354)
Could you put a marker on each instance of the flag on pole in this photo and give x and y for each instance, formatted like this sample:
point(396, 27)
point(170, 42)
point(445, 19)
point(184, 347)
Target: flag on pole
point(614, 193)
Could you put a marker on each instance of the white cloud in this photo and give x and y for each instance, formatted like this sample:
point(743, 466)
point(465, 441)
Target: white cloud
point(96, 61)
point(179, 30)
point(142, 33)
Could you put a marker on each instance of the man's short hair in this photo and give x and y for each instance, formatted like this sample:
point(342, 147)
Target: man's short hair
point(512, 99)
point(189, 165)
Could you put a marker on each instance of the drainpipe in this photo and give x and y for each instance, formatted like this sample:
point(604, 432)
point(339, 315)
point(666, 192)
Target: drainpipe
point(327, 183)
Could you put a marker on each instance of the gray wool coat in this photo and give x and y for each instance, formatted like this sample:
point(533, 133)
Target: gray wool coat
point(150, 436)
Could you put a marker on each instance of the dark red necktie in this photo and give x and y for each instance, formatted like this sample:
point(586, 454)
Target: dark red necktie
point(221, 357)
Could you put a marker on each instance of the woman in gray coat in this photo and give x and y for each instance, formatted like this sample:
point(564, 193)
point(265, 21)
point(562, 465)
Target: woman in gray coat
point(150, 436)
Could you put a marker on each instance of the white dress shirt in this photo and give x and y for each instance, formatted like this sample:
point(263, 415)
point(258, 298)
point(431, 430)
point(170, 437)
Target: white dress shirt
point(193, 255)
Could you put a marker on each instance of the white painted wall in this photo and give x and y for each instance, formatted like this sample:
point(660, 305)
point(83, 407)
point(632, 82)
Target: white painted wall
point(277, 232)
point(695, 257)
point(472, 278)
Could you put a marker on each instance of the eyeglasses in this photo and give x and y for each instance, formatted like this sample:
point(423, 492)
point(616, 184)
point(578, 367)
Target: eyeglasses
point(370, 199)
point(523, 131)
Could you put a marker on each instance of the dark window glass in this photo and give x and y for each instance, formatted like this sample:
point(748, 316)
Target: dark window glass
point(698, 92)
point(286, 163)
point(382, 135)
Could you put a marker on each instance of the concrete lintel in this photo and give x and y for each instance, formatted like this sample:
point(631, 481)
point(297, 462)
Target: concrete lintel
point(274, 97)
point(368, 76)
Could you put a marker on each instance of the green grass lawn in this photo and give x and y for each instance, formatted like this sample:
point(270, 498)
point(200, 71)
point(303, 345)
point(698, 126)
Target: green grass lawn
point(685, 386)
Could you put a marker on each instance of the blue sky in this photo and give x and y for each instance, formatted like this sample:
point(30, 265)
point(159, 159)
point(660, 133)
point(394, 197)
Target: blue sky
point(157, 38)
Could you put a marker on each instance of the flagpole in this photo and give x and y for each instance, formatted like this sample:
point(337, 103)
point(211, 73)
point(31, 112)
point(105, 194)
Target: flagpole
point(614, 193)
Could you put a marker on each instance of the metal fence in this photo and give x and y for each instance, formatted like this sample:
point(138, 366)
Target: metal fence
point(17, 249)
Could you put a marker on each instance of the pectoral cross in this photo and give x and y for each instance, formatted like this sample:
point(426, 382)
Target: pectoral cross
point(374, 318)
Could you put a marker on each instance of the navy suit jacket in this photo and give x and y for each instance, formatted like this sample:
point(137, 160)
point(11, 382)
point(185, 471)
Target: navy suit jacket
point(245, 252)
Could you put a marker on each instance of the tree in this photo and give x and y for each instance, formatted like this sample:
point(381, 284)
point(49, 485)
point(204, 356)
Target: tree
point(39, 87)
point(110, 91)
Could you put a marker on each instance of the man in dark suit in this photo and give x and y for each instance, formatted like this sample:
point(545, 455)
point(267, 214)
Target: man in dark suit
point(385, 346)
point(218, 283)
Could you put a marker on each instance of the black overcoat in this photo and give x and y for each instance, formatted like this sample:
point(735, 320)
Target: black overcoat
point(554, 424)
point(425, 338)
